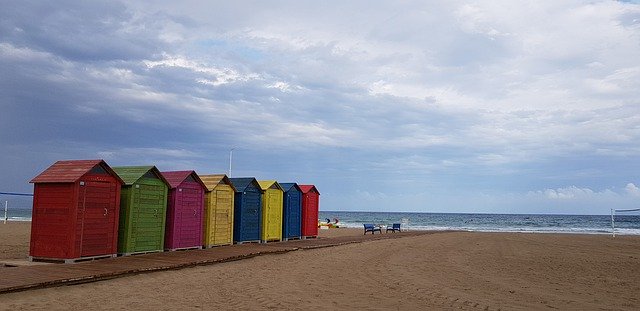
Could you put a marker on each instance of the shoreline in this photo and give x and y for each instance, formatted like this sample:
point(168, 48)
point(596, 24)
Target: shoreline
point(482, 222)
point(463, 230)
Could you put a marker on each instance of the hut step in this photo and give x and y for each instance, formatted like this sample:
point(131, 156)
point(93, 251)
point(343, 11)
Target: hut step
point(244, 242)
point(217, 245)
point(73, 260)
point(184, 248)
point(141, 253)
point(269, 241)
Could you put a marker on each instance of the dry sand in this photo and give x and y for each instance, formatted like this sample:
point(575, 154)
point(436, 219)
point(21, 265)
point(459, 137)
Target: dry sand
point(14, 240)
point(454, 270)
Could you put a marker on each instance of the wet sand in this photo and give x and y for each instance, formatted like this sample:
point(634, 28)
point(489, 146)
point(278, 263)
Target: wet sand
point(453, 270)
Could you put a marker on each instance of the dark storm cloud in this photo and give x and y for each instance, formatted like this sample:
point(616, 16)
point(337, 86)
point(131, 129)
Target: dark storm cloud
point(414, 105)
point(84, 31)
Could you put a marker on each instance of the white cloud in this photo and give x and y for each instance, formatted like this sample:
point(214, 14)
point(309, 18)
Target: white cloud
point(573, 193)
point(632, 189)
point(13, 53)
point(146, 152)
point(217, 76)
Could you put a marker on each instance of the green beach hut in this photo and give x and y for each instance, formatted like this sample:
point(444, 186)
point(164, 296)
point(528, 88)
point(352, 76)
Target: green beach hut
point(143, 209)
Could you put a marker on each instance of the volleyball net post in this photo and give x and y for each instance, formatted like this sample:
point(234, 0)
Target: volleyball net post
point(613, 217)
point(6, 202)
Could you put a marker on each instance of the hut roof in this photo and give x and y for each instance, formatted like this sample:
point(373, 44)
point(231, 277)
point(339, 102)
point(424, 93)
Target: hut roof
point(211, 181)
point(288, 185)
point(307, 188)
point(131, 174)
point(242, 183)
point(71, 171)
point(267, 184)
point(175, 178)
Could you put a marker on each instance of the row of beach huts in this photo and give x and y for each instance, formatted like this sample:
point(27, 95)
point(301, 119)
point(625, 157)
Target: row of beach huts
point(85, 209)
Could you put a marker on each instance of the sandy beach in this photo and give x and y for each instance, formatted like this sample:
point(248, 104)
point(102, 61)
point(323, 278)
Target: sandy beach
point(14, 240)
point(452, 270)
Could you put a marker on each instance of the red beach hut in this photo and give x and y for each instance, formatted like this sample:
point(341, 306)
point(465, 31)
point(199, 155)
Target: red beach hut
point(310, 204)
point(185, 210)
point(75, 211)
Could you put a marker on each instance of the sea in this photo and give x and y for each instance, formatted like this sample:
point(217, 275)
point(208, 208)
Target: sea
point(535, 223)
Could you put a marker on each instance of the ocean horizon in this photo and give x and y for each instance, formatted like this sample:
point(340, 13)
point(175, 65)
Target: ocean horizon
point(480, 222)
point(486, 222)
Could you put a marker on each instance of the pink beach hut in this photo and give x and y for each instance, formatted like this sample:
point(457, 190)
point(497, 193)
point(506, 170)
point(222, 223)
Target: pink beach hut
point(185, 210)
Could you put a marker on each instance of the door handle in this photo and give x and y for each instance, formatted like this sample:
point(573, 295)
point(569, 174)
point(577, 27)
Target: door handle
point(106, 212)
point(155, 212)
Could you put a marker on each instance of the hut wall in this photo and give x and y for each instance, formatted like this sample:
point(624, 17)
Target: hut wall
point(310, 204)
point(272, 215)
point(247, 215)
point(185, 209)
point(292, 213)
point(74, 220)
point(218, 228)
point(143, 211)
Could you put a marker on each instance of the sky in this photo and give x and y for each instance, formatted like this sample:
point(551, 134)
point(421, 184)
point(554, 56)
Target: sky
point(415, 106)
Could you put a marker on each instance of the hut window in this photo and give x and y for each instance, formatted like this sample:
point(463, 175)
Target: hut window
point(191, 179)
point(99, 170)
point(150, 174)
point(273, 187)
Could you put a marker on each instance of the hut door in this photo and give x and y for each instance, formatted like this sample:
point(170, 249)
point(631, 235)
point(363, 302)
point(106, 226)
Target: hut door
point(223, 216)
point(313, 212)
point(251, 215)
point(294, 211)
point(190, 201)
point(273, 214)
point(97, 203)
point(150, 202)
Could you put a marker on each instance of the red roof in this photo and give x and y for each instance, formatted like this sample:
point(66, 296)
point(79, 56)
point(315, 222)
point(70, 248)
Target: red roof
point(71, 171)
point(307, 188)
point(175, 178)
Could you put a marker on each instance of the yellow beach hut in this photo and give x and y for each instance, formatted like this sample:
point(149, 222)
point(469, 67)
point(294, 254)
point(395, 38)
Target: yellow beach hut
point(271, 210)
point(218, 205)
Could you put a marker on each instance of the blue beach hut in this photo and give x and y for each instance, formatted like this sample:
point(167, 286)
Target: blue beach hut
point(291, 211)
point(247, 210)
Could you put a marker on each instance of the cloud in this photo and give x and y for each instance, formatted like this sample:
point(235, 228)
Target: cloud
point(578, 194)
point(453, 95)
point(568, 193)
point(87, 31)
point(632, 189)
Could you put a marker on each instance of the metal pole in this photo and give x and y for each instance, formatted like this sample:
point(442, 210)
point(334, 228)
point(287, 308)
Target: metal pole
point(230, 157)
point(6, 209)
point(613, 226)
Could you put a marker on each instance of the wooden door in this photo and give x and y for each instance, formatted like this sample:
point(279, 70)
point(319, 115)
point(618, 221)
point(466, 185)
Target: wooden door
point(223, 219)
point(250, 215)
point(273, 214)
point(190, 205)
point(97, 206)
point(313, 212)
point(148, 220)
point(310, 214)
point(293, 214)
